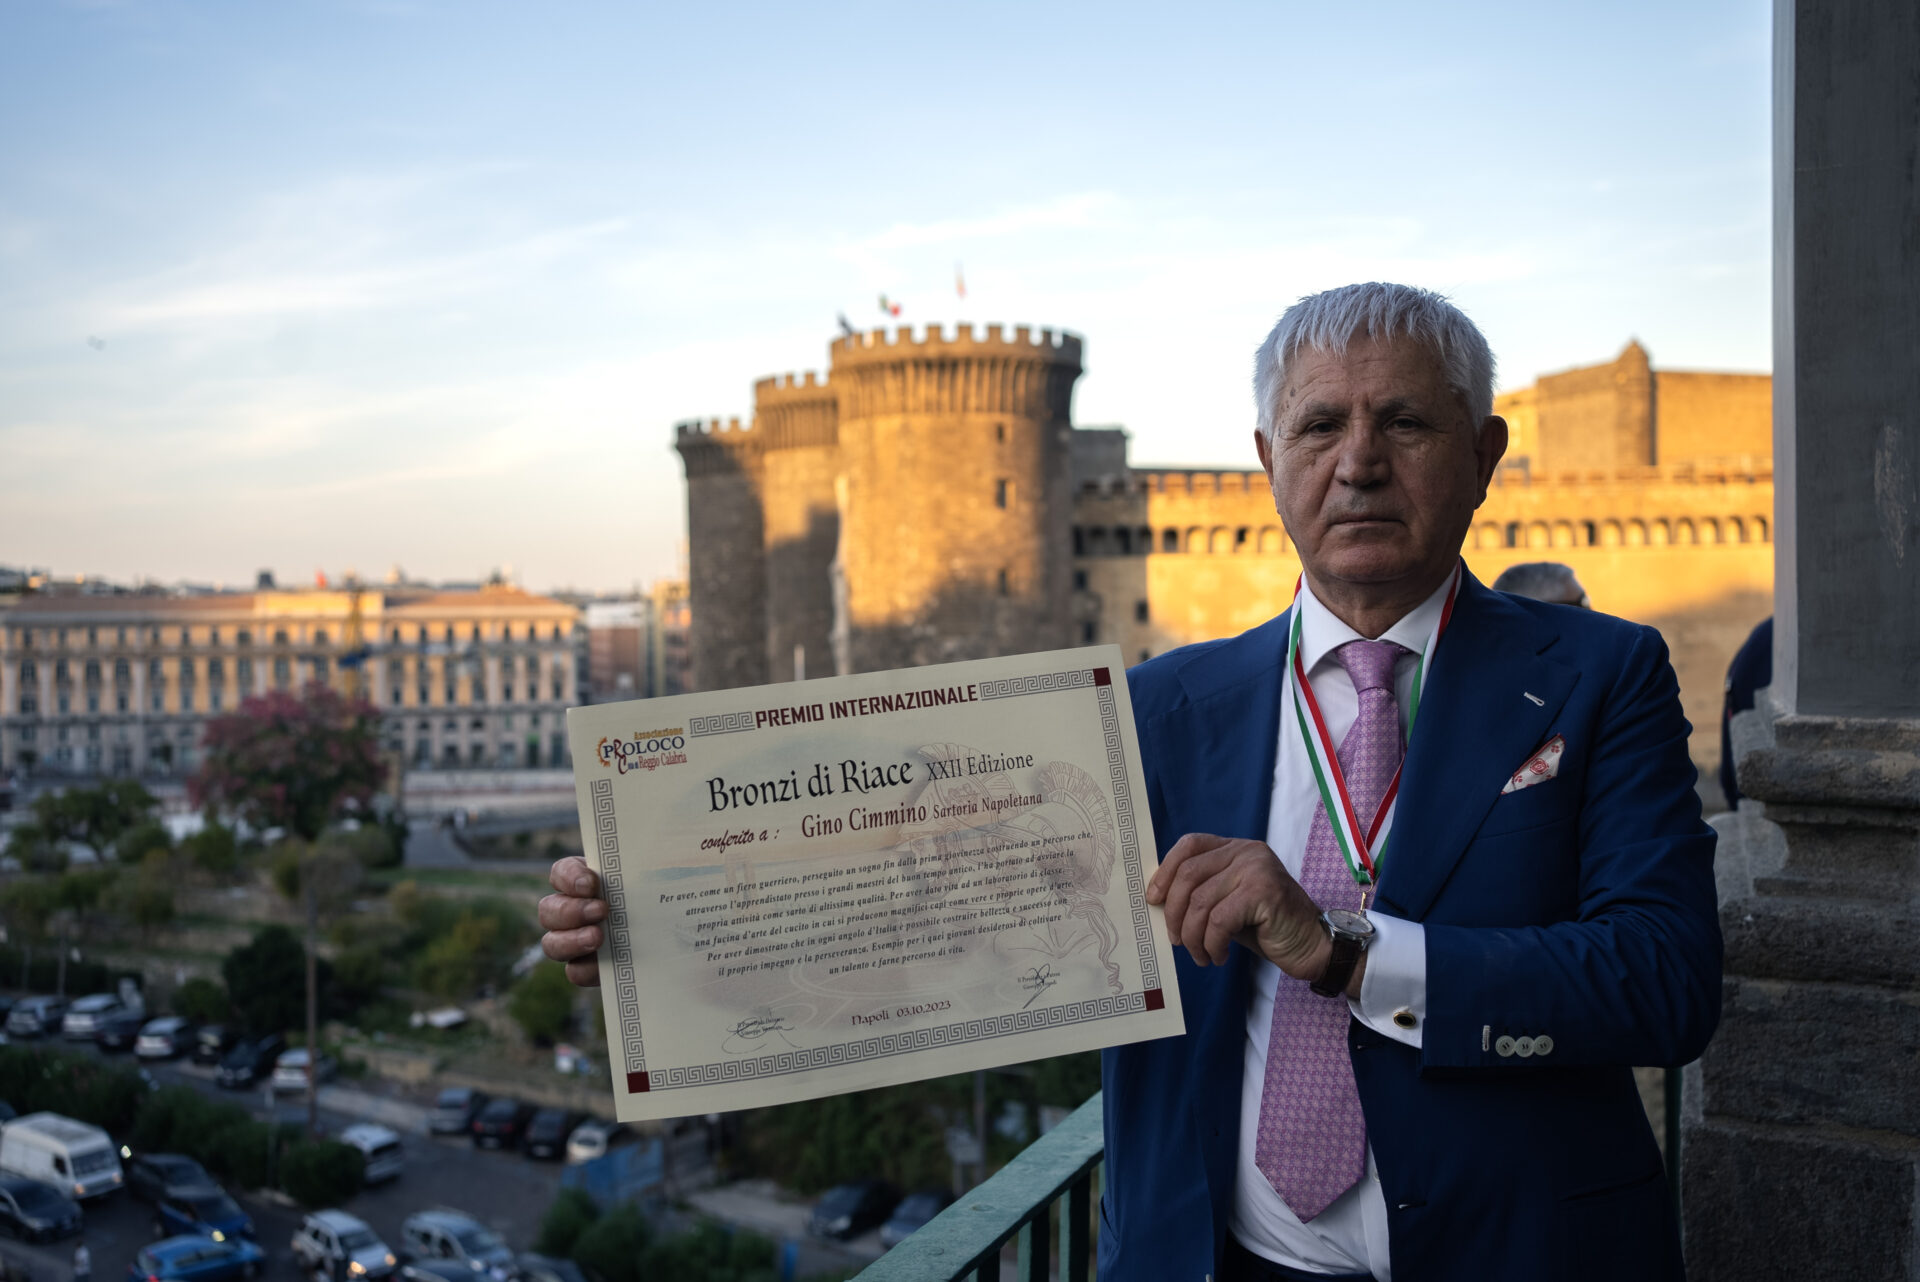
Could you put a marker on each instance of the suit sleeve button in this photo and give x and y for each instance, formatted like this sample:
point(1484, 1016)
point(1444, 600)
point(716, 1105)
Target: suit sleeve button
point(1523, 1047)
point(1404, 1018)
point(1504, 1048)
point(1543, 1045)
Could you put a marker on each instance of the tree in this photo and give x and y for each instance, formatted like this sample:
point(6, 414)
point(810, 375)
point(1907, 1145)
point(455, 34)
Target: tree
point(542, 1003)
point(145, 837)
point(264, 979)
point(36, 849)
point(297, 762)
point(570, 1215)
point(213, 849)
point(94, 817)
point(610, 1248)
point(201, 1000)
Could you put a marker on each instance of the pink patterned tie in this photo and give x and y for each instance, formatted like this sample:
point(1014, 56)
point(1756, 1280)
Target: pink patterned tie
point(1312, 1141)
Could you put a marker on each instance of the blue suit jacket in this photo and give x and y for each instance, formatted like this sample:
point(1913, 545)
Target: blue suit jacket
point(1581, 908)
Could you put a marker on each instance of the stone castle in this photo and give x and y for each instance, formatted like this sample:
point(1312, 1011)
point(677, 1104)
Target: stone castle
point(930, 499)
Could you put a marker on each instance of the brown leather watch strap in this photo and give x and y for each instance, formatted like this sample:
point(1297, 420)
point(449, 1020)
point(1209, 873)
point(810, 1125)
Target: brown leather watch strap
point(1346, 955)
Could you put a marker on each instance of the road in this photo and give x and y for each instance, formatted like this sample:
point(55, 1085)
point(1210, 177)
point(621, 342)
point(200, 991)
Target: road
point(504, 1190)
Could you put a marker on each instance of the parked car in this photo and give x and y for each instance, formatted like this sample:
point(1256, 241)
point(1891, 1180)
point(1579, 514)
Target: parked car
point(329, 1236)
point(119, 1031)
point(36, 1212)
point(250, 1060)
point(501, 1123)
point(151, 1176)
point(851, 1209)
point(74, 1157)
point(594, 1138)
point(82, 1021)
point(547, 1132)
point(412, 1270)
point(206, 1210)
point(290, 1070)
point(914, 1211)
point(454, 1110)
point(457, 1236)
point(168, 1037)
point(213, 1041)
point(192, 1258)
point(35, 1016)
point(380, 1150)
point(545, 1268)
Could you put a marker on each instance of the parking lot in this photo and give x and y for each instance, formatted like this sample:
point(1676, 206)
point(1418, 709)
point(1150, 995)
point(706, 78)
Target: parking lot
point(505, 1190)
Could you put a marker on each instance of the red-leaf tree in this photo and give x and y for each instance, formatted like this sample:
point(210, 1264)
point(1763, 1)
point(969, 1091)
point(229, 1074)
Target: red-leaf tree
point(297, 762)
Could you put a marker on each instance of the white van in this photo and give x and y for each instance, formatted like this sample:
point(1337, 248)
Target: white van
point(381, 1149)
point(75, 1158)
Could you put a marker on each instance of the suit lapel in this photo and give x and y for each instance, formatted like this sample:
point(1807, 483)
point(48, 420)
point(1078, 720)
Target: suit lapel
point(1477, 724)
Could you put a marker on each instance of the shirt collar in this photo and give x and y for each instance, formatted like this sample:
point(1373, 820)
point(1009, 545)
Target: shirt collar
point(1321, 633)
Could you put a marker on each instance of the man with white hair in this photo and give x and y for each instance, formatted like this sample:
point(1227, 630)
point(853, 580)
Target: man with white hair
point(1433, 863)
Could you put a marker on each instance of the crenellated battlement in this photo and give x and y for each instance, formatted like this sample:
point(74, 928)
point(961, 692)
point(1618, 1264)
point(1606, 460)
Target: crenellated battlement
point(720, 432)
point(808, 385)
point(881, 344)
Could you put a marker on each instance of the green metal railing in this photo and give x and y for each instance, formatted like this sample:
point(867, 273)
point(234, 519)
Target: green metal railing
point(965, 1240)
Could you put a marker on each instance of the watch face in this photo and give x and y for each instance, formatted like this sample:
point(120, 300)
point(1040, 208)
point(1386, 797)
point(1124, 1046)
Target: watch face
point(1347, 922)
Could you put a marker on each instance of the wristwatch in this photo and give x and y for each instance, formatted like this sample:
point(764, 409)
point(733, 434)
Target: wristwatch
point(1351, 932)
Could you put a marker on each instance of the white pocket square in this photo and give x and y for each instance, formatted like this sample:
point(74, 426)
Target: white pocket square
point(1541, 766)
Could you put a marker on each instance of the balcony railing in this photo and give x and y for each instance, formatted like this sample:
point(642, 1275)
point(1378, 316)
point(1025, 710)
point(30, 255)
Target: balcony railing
point(965, 1240)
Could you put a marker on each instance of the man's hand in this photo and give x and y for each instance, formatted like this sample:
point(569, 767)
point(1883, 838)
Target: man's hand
point(571, 916)
point(1219, 889)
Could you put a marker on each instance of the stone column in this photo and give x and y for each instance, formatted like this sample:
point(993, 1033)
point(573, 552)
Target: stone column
point(1802, 1144)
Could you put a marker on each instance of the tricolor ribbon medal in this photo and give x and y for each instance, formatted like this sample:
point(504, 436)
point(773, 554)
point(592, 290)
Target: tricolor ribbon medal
point(1362, 848)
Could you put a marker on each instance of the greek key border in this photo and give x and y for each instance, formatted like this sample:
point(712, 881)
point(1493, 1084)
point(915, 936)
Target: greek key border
point(886, 1045)
point(719, 723)
point(626, 986)
point(881, 1046)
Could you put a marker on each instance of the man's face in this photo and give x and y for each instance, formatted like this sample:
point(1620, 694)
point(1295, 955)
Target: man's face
point(1375, 467)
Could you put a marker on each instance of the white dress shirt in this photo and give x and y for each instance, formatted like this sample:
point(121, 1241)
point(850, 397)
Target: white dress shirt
point(1350, 1236)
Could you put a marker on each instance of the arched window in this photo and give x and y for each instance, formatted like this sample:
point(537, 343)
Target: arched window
point(1538, 536)
point(1143, 540)
point(1513, 534)
point(1659, 532)
point(1709, 530)
point(1196, 539)
point(1636, 533)
point(1589, 534)
point(1271, 540)
point(1217, 540)
point(1761, 534)
point(1562, 534)
point(1683, 531)
point(1123, 541)
point(1736, 530)
point(1610, 534)
point(1169, 540)
point(1240, 537)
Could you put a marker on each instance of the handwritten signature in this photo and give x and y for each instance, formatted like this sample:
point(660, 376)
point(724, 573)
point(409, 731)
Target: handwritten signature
point(1036, 981)
point(755, 1027)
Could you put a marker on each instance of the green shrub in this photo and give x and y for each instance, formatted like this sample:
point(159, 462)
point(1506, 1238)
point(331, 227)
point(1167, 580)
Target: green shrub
point(35, 1079)
point(542, 1003)
point(213, 849)
point(137, 842)
point(320, 1173)
point(712, 1253)
point(372, 845)
point(611, 1248)
point(570, 1215)
point(202, 999)
point(359, 977)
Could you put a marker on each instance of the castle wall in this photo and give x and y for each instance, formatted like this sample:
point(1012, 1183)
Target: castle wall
point(1714, 416)
point(726, 562)
point(1657, 549)
point(1596, 418)
point(798, 423)
point(957, 521)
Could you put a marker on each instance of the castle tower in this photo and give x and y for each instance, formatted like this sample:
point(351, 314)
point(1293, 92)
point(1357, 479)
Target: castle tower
point(726, 565)
point(956, 524)
point(797, 422)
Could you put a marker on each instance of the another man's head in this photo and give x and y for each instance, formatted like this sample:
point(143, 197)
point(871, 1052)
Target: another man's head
point(1547, 581)
point(1377, 433)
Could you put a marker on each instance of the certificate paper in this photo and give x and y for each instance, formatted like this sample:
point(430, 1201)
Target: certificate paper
point(846, 883)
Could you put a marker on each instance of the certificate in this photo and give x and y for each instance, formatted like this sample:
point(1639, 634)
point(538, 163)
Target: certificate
point(853, 882)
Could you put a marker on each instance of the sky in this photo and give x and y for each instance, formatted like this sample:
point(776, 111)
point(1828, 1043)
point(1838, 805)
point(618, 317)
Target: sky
point(350, 285)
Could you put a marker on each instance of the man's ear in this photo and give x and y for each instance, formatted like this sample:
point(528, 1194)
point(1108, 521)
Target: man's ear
point(1264, 448)
point(1489, 447)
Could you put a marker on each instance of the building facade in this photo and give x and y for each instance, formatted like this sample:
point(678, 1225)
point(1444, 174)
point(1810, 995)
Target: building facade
point(125, 684)
point(929, 499)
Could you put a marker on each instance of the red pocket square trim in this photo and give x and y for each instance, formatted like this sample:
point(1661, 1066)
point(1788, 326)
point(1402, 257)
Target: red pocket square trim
point(1540, 767)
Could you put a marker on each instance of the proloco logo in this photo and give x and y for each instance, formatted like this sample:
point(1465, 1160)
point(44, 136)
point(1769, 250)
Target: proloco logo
point(647, 750)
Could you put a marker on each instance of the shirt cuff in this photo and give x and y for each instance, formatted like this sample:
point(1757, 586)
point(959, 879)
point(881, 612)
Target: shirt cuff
point(1393, 991)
